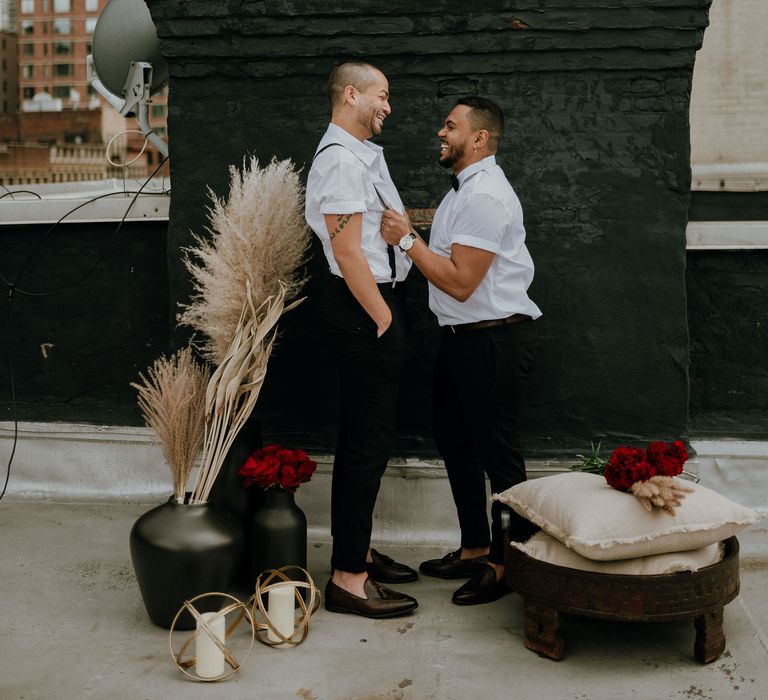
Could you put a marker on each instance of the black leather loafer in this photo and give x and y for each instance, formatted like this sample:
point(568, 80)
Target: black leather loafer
point(452, 566)
point(384, 569)
point(381, 601)
point(481, 588)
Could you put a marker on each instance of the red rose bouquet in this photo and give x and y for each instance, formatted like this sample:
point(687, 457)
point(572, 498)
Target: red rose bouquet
point(629, 465)
point(648, 474)
point(275, 465)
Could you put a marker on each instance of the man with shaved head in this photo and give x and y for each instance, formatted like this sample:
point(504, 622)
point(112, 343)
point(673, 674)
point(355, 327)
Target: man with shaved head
point(362, 309)
point(479, 271)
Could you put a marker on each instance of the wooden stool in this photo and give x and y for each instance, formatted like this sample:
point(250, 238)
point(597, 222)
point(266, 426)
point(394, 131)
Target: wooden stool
point(549, 590)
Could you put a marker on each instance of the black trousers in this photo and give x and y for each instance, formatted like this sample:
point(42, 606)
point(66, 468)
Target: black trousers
point(369, 376)
point(477, 396)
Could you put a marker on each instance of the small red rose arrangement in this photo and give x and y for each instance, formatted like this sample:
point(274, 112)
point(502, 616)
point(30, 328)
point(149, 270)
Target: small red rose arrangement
point(275, 465)
point(647, 474)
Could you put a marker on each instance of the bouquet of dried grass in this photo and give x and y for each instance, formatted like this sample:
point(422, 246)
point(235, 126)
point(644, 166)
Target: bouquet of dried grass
point(244, 276)
point(172, 401)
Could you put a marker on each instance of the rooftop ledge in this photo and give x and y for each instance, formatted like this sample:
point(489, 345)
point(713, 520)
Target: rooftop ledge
point(46, 204)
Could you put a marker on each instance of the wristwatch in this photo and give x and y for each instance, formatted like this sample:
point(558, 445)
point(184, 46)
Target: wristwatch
point(406, 242)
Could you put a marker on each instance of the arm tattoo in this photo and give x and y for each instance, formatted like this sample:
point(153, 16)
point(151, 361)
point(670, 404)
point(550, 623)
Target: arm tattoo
point(341, 221)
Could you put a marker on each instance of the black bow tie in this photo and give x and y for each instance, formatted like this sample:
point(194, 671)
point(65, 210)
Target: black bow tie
point(455, 182)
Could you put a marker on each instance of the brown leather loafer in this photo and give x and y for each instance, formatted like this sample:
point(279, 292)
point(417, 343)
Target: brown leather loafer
point(384, 569)
point(481, 588)
point(381, 601)
point(453, 566)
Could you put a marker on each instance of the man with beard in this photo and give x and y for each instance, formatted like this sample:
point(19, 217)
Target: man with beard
point(479, 271)
point(362, 310)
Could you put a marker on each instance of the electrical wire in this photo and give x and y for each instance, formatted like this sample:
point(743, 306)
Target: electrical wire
point(118, 135)
point(13, 288)
point(11, 193)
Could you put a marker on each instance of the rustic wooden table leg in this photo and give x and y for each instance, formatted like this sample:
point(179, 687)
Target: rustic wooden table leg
point(710, 638)
point(541, 630)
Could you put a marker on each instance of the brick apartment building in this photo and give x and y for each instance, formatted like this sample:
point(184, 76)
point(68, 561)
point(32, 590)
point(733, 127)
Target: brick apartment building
point(9, 72)
point(56, 126)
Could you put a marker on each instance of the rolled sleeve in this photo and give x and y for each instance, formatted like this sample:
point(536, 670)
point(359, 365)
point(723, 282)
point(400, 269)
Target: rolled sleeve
point(481, 223)
point(343, 189)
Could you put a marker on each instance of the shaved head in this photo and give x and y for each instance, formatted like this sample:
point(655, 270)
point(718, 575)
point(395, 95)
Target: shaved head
point(355, 73)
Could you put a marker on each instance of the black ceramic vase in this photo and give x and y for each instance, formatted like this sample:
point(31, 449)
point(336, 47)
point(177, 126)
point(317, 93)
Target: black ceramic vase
point(278, 534)
point(180, 551)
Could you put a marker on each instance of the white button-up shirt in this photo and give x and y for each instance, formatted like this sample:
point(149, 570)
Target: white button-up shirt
point(484, 213)
point(348, 179)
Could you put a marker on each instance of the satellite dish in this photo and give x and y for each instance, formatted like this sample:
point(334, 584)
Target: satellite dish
point(126, 66)
point(125, 34)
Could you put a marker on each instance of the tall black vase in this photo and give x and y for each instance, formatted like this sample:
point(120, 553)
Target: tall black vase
point(228, 493)
point(180, 551)
point(279, 533)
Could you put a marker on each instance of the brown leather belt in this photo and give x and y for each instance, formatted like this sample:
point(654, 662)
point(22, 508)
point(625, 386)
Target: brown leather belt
point(508, 321)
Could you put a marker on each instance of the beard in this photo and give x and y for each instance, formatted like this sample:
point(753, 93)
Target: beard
point(450, 157)
point(366, 116)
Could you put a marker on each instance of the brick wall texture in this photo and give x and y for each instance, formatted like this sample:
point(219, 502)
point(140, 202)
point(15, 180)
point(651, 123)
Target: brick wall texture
point(596, 93)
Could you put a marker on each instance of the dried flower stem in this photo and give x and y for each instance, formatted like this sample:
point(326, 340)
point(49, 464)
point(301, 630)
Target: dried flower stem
point(172, 400)
point(235, 385)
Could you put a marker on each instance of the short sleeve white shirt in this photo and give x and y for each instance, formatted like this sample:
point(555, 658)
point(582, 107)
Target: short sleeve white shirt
point(346, 179)
point(484, 213)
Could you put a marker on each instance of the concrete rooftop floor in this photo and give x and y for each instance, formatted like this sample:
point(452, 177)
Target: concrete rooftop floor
point(74, 626)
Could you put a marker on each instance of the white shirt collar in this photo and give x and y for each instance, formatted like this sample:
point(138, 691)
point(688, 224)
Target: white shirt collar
point(484, 164)
point(366, 151)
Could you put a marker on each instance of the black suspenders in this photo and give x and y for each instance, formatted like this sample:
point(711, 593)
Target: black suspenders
point(390, 249)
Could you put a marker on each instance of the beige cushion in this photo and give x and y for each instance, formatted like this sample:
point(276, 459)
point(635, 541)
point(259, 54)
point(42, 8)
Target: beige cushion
point(601, 523)
point(546, 548)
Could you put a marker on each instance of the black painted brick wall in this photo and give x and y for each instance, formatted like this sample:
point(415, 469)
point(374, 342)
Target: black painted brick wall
point(596, 93)
point(75, 353)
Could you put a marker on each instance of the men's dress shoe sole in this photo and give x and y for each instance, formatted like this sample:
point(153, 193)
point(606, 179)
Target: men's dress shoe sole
point(482, 588)
point(384, 569)
point(381, 603)
point(452, 567)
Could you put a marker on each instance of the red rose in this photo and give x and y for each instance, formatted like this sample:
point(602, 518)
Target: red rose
point(626, 466)
point(286, 456)
point(289, 478)
point(306, 468)
point(276, 465)
point(667, 459)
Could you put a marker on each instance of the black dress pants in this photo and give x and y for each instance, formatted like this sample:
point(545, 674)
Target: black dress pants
point(369, 376)
point(477, 395)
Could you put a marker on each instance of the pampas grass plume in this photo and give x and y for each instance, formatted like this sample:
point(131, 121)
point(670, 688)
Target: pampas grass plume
point(172, 401)
point(257, 234)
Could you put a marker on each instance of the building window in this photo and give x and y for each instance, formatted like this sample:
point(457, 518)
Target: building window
point(90, 25)
point(27, 7)
point(28, 49)
point(91, 5)
point(27, 72)
point(45, 49)
point(62, 26)
point(62, 70)
point(61, 91)
point(29, 93)
point(158, 110)
point(62, 5)
point(62, 48)
point(27, 27)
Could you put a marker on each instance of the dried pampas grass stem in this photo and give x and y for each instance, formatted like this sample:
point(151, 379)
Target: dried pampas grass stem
point(172, 401)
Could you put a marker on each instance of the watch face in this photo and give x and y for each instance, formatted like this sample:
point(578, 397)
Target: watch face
point(406, 242)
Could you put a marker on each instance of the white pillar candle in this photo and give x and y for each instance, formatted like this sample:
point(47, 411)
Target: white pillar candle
point(280, 609)
point(209, 658)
